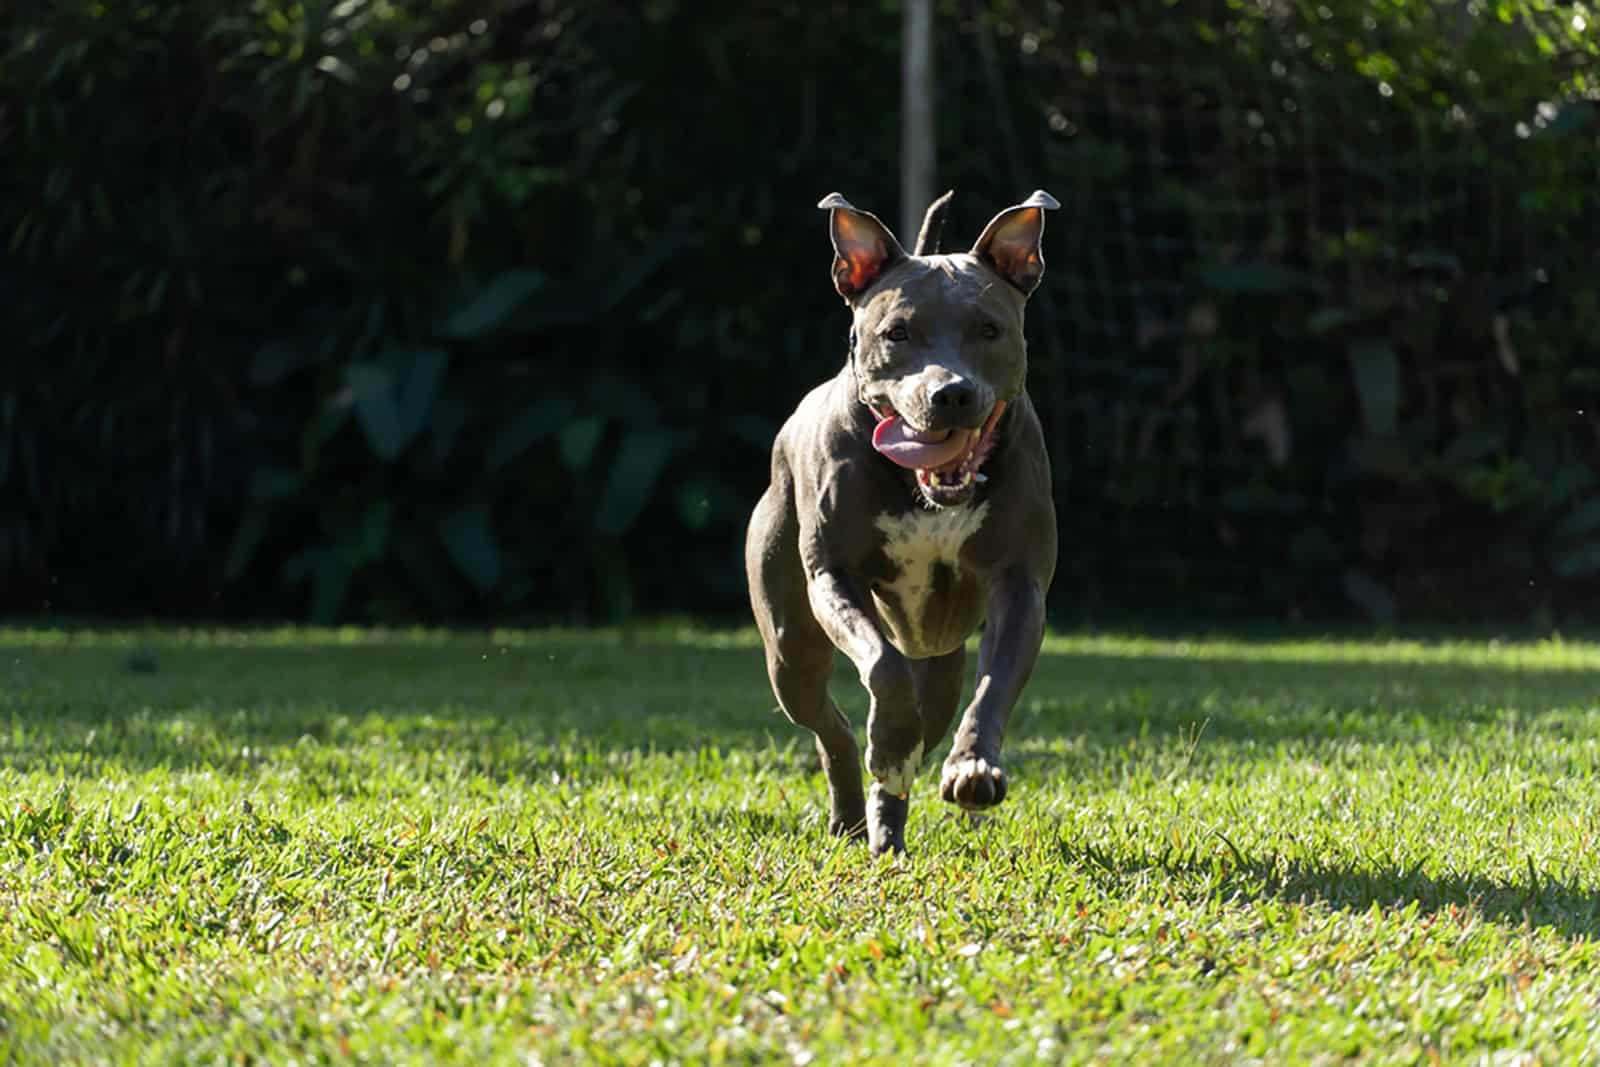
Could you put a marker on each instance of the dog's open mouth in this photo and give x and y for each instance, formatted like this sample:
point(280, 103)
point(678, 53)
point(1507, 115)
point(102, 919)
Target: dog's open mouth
point(946, 462)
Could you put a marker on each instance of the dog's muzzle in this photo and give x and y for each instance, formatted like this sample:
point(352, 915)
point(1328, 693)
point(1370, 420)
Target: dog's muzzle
point(946, 461)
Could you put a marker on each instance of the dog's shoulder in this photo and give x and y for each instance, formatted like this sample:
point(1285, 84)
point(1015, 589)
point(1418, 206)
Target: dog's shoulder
point(820, 434)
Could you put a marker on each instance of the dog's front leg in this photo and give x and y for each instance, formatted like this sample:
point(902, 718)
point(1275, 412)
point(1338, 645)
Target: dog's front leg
point(972, 776)
point(894, 729)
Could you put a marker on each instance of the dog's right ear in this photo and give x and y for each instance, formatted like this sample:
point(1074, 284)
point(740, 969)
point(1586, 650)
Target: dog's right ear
point(863, 247)
point(1010, 243)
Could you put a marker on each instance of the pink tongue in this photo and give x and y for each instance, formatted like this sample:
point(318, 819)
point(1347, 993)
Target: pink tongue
point(919, 451)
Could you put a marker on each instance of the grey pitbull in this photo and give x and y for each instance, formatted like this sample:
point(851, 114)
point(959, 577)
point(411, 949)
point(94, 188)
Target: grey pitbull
point(910, 502)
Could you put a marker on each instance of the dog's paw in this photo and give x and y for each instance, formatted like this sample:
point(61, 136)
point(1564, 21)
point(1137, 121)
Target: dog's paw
point(852, 825)
point(895, 776)
point(886, 822)
point(888, 843)
point(972, 782)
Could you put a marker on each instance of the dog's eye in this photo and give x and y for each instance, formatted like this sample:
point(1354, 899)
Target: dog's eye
point(989, 331)
point(898, 333)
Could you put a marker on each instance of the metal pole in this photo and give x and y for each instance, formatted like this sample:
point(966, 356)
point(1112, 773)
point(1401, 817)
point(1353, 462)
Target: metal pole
point(916, 116)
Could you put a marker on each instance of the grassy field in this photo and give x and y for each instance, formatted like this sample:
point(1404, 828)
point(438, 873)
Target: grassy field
point(602, 846)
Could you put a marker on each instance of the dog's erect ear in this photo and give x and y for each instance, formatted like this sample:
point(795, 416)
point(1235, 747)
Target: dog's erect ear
point(863, 247)
point(1010, 243)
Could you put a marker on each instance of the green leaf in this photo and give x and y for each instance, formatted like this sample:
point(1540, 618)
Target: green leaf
point(490, 307)
point(469, 539)
point(1330, 318)
point(637, 267)
point(298, 567)
point(445, 424)
point(1574, 116)
point(1570, 480)
point(1261, 500)
point(372, 388)
point(1472, 445)
point(1577, 562)
point(278, 358)
point(702, 500)
point(609, 393)
point(1584, 520)
point(420, 386)
point(275, 483)
point(522, 431)
point(1362, 163)
point(1253, 277)
point(327, 421)
point(579, 439)
point(1377, 374)
point(393, 398)
point(1434, 259)
point(632, 478)
point(602, 287)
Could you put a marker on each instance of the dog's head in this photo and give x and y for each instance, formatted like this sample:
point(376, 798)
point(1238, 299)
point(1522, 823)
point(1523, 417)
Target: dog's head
point(936, 340)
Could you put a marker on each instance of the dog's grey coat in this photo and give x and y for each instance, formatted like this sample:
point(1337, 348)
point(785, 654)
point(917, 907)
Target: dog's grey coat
point(845, 551)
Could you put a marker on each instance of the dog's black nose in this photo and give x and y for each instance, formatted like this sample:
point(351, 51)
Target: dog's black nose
point(955, 397)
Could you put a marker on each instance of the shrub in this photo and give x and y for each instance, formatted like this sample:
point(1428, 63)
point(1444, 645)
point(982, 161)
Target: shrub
point(404, 311)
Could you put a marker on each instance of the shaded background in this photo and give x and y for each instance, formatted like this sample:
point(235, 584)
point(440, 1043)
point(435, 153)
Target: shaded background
point(452, 310)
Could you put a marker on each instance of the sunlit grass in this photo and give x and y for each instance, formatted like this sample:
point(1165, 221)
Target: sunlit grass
point(605, 845)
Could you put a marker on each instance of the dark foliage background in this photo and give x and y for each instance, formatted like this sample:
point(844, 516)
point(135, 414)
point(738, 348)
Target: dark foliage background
point(401, 310)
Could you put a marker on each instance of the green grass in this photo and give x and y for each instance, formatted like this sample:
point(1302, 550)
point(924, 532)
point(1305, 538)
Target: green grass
point(605, 846)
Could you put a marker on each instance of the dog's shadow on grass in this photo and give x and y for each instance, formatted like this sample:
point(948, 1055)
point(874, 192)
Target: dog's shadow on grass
point(1170, 702)
point(1538, 900)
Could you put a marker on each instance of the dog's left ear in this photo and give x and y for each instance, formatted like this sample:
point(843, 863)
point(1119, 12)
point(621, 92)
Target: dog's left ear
point(1010, 243)
point(863, 247)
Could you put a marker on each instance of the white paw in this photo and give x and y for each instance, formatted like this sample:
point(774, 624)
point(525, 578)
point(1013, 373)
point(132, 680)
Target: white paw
point(896, 778)
point(969, 768)
point(974, 783)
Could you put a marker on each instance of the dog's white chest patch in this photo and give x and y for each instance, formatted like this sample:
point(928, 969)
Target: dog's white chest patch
point(916, 543)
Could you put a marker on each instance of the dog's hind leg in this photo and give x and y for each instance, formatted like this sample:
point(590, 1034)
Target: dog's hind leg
point(800, 682)
point(799, 654)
